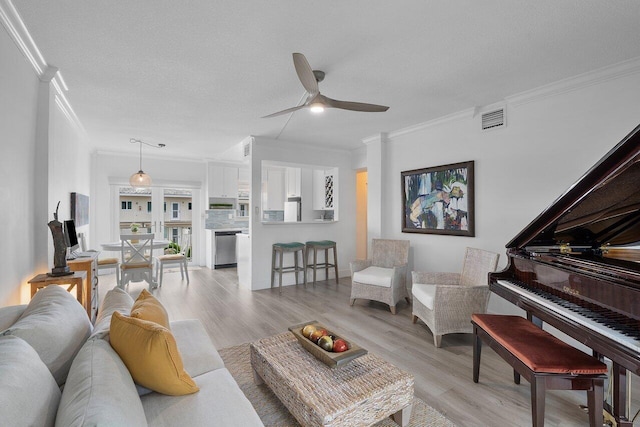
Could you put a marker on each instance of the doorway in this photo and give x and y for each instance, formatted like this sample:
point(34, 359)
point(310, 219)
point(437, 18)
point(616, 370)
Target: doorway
point(361, 214)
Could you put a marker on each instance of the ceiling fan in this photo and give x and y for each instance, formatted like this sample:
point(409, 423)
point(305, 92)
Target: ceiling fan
point(317, 101)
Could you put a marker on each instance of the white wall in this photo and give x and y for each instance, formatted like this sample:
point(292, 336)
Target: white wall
point(263, 236)
point(69, 167)
point(44, 160)
point(549, 142)
point(19, 89)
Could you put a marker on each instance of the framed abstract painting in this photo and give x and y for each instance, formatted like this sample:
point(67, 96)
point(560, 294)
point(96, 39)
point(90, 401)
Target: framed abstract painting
point(438, 200)
point(79, 209)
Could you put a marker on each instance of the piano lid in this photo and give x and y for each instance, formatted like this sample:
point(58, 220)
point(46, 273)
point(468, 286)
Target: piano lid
point(601, 208)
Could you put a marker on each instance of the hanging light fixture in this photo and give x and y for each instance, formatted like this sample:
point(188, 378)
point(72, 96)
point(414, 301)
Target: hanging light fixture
point(141, 179)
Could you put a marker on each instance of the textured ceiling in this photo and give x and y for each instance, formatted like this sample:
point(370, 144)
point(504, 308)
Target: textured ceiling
point(198, 75)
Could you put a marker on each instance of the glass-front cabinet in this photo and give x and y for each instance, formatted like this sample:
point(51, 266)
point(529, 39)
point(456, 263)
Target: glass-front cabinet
point(297, 193)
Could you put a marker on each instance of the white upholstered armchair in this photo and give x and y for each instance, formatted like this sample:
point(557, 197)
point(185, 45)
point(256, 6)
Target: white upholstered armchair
point(446, 301)
point(383, 276)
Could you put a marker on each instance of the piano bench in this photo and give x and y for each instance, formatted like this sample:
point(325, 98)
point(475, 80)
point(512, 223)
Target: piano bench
point(542, 359)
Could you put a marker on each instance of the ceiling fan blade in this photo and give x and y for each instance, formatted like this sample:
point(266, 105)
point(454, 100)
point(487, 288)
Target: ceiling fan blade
point(354, 106)
point(288, 110)
point(305, 73)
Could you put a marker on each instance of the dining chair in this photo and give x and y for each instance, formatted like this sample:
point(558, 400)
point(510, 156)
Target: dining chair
point(136, 263)
point(172, 259)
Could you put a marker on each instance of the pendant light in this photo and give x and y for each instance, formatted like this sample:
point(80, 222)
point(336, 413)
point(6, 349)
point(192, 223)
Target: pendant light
point(141, 179)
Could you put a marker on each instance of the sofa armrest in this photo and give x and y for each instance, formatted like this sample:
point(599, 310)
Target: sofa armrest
point(430, 278)
point(359, 264)
point(10, 315)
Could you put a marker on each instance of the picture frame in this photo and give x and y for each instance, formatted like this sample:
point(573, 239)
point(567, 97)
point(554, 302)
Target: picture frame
point(79, 209)
point(439, 200)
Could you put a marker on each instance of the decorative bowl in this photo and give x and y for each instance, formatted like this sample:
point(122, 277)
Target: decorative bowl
point(329, 358)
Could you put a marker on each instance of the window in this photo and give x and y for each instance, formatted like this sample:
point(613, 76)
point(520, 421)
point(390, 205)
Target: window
point(175, 210)
point(174, 235)
point(165, 207)
point(148, 206)
point(126, 205)
point(189, 205)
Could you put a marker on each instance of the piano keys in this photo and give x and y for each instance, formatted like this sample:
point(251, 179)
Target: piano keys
point(577, 265)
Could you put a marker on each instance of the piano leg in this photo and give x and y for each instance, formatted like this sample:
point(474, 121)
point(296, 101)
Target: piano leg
point(538, 389)
point(619, 410)
point(477, 349)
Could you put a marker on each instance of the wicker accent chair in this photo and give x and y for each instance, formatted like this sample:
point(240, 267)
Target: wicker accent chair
point(383, 277)
point(446, 301)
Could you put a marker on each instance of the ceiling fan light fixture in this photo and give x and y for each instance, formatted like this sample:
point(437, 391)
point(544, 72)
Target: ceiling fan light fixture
point(316, 108)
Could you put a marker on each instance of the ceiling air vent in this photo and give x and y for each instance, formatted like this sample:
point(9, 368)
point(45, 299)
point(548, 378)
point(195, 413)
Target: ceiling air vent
point(493, 119)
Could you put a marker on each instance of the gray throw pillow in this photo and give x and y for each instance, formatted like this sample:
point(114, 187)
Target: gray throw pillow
point(28, 392)
point(56, 325)
point(115, 300)
point(99, 390)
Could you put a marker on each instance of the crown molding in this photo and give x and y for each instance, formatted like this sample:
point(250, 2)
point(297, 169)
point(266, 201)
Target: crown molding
point(580, 81)
point(469, 112)
point(13, 23)
point(590, 78)
point(379, 137)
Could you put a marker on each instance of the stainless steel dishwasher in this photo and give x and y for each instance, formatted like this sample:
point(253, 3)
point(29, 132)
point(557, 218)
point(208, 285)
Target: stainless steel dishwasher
point(225, 249)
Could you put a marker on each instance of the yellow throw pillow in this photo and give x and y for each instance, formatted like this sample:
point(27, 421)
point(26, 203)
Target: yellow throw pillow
point(151, 355)
point(147, 307)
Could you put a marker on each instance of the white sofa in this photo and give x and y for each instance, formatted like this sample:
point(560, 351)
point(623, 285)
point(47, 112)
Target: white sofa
point(56, 369)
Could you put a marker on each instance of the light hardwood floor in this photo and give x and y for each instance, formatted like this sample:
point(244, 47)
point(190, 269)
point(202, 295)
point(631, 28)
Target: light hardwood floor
point(443, 377)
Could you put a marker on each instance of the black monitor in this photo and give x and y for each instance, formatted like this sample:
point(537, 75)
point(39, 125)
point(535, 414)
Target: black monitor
point(70, 235)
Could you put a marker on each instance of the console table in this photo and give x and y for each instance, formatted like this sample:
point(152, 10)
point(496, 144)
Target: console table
point(76, 280)
point(88, 263)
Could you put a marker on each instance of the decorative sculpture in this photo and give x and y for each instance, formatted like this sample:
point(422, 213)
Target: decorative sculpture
point(60, 267)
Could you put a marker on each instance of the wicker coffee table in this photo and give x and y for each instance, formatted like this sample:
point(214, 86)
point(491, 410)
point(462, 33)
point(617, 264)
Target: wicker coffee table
point(361, 393)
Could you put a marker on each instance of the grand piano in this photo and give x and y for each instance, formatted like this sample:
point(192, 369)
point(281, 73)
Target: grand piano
point(577, 266)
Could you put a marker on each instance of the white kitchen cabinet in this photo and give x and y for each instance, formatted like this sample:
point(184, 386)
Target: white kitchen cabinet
point(293, 182)
point(324, 189)
point(275, 194)
point(223, 181)
point(244, 176)
point(318, 190)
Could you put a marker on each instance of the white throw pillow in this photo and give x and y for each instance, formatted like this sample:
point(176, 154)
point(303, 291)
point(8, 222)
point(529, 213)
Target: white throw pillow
point(378, 276)
point(28, 392)
point(56, 325)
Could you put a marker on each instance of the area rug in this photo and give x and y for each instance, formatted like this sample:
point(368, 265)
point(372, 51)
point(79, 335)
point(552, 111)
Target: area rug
point(275, 414)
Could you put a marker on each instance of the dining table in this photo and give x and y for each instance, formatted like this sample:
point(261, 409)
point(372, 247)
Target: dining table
point(157, 244)
point(115, 246)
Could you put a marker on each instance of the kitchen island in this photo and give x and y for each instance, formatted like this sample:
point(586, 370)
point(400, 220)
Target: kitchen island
point(243, 254)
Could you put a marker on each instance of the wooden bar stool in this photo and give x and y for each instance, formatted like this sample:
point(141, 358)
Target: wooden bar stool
point(279, 249)
point(542, 359)
point(314, 247)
